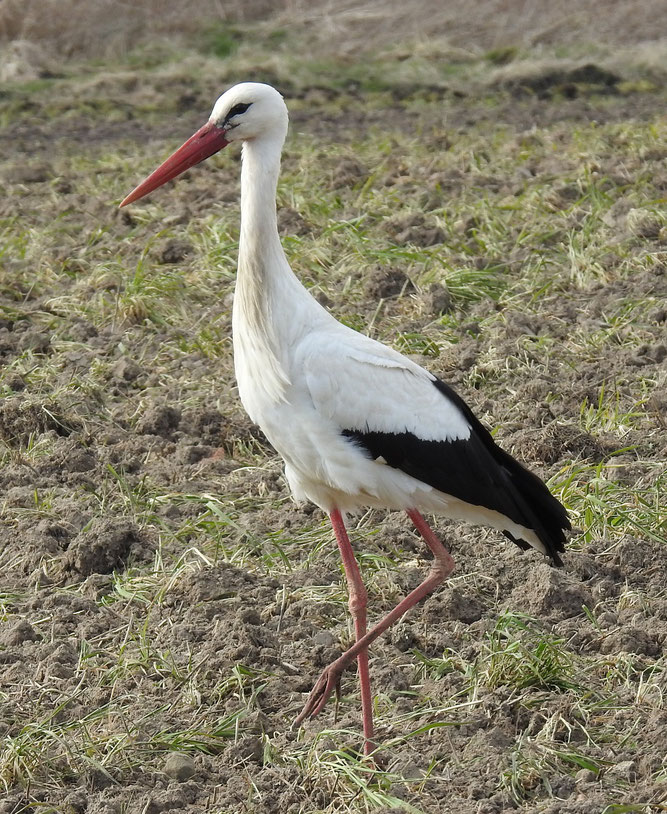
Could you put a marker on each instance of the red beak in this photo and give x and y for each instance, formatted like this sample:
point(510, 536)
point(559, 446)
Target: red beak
point(208, 140)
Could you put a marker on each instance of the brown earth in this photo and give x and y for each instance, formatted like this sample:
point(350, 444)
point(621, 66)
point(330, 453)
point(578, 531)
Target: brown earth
point(59, 561)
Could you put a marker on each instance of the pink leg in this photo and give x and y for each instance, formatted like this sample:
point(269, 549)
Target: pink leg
point(357, 602)
point(442, 567)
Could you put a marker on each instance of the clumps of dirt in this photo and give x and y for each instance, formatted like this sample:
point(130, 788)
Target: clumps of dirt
point(159, 419)
point(556, 442)
point(291, 222)
point(436, 300)
point(420, 90)
point(36, 341)
point(631, 639)
point(640, 563)
point(179, 767)
point(220, 583)
point(58, 660)
point(453, 603)
point(16, 632)
point(20, 418)
point(222, 431)
point(29, 173)
point(104, 547)
point(625, 219)
point(349, 172)
point(209, 425)
point(175, 251)
point(647, 224)
point(23, 61)
point(545, 80)
point(648, 282)
point(69, 456)
point(414, 228)
point(126, 370)
point(519, 323)
point(385, 282)
point(49, 537)
point(550, 593)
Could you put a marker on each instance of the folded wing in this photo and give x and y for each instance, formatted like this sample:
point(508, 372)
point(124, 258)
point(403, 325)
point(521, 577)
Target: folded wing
point(404, 416)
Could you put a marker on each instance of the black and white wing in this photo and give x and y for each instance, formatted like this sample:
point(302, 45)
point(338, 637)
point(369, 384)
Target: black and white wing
point(404, 416)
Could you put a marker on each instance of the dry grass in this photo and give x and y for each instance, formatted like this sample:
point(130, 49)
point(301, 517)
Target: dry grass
point(106, 28)
point(488, 24)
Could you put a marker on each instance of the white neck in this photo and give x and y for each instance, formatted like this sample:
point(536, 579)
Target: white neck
point(266, 287)
point(260, 251)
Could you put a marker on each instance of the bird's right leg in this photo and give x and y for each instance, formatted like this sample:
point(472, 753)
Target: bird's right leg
point(358, 599)
point(442, 567)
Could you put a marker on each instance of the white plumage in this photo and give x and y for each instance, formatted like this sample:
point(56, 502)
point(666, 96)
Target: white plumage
point(357, 423)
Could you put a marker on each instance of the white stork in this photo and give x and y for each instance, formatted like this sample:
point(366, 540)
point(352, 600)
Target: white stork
point(357, 423)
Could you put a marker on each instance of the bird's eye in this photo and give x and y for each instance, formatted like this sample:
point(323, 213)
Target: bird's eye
point(237, 109)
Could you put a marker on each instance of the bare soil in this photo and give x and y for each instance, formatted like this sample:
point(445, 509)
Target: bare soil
point(60, 561)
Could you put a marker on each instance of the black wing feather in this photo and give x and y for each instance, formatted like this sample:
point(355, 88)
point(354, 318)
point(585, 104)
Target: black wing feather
point(477, 471)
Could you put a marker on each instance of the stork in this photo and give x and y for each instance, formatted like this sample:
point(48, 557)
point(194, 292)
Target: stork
point(357, 423)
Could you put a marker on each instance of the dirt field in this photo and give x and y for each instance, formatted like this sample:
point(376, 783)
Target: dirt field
point(164, 606)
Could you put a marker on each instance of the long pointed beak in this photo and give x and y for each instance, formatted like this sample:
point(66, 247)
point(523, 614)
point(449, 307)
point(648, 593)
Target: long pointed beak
point(208, 140)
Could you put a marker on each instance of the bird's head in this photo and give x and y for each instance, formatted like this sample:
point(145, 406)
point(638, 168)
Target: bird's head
point(245, 112)
point(250, 110)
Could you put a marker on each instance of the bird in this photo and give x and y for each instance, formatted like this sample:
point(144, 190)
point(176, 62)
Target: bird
point(358, 424)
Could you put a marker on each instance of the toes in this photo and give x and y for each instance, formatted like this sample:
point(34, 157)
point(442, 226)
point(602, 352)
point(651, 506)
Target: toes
point(316, 700)
point(324, 686)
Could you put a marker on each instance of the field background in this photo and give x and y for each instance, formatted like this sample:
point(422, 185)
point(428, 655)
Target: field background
point(481, 185)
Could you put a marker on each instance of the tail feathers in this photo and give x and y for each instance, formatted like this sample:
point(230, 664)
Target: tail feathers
point(533, 505)
point(544, 514)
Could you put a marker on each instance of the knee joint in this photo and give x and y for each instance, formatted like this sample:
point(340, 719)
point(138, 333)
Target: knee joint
point(442, 568)
point(358, 601)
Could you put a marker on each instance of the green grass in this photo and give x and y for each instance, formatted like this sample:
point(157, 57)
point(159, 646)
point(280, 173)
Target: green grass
point(603, 507)
point(522, 657)
point(554, 297)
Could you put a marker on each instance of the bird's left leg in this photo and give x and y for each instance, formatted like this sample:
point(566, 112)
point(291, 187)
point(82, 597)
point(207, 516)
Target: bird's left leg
point(442, 567)
point(358, 598)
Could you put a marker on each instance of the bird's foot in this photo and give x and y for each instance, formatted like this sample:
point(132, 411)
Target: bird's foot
point(328, 681)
